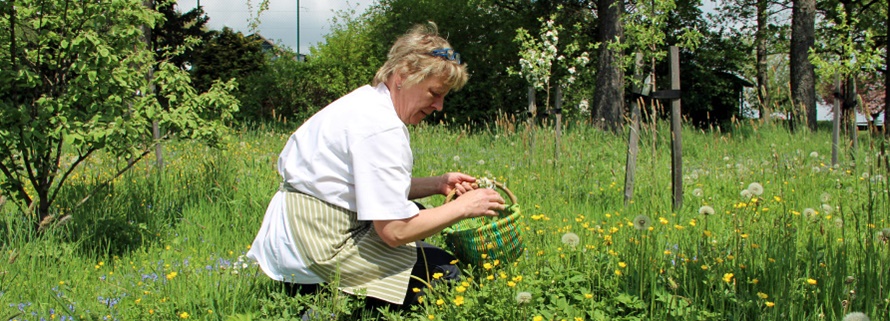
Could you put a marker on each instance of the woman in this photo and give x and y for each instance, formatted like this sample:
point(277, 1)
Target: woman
point(343, 214)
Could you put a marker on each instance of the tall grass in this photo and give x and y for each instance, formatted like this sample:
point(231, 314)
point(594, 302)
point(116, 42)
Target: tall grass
point(810, 247)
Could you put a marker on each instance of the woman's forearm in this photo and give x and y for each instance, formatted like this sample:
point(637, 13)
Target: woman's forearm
point(425, 186)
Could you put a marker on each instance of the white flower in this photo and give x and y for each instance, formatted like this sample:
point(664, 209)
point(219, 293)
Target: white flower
point(856, 316)
point(814, 154)
point(456, 158)
point(481, 162)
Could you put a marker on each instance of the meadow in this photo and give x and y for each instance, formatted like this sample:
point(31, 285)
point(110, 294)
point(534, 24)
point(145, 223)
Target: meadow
point(768, 230)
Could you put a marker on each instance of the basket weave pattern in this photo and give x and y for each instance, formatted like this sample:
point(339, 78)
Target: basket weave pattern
point(498, 239)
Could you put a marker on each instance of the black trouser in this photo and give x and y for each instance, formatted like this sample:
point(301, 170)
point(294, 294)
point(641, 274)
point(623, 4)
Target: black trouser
point(430, 260)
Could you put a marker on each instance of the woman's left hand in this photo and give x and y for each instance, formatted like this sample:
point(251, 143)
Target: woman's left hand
point(459, 182)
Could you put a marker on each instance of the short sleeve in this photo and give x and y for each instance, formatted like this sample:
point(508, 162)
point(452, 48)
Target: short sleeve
point(382, 165)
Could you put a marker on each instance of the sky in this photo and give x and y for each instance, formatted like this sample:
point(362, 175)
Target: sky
point(279, 23)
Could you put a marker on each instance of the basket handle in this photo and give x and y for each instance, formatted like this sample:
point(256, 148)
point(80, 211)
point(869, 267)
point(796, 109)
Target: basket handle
point(453, 194)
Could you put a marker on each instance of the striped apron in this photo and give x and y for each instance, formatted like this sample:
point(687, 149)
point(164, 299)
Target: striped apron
point(347, 252)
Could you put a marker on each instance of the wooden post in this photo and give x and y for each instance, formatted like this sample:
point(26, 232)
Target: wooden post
point(558, 111)
point(155, 126)
point(532, 113)
point(633, 140)
point(836, 124)
point(676, 141)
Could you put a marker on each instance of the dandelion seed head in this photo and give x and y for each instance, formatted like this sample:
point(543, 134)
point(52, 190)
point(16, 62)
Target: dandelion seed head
point(825, 197)
point(698, 192)
point(523, 297)
point(706, 210)
point(571, 239)
point(838, 222)
point(856, 316)
point(746, 194)
point(755, 188)
point(866, 175)
point(886, 232)
point(827, 209)
point(642, 222)
point(810, 213)
point(814, 154)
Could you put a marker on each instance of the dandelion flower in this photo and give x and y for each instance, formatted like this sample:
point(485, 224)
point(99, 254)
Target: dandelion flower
point(706, 210)
point(571, 239)
point(523, 297)
point(459, 300)
point(456, 158)
point(755, 188)
point(770, 304)
point(856, 316)
point(825, 197)
point(762, 295)
point(642, 222)
point(746, 194)
point(698, 192)
point(811, 281)
point(814, 154)
point(727, 277)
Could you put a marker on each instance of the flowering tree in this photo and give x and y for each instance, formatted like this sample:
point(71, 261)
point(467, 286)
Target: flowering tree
point(541, 61)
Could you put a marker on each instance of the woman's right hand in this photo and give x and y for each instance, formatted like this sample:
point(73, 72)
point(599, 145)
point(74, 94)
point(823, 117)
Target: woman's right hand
point(479, 202)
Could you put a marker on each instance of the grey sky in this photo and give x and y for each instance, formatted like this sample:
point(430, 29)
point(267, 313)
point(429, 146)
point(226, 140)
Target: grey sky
point(279, 23)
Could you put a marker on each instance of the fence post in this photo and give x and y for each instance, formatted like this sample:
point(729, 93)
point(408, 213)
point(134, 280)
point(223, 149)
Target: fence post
point(676, 141)
point(836, 124)
point(633, 140)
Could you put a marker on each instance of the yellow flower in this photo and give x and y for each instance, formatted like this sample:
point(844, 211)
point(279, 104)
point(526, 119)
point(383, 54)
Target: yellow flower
point(811, 282)
point(489, 277)
point(438, 275)
point(172, 275)
point(511, 284)
point(453, 262)
point(460, 289)
point(487, 266)
point(538, 318)
point(484, 256)
point(622, 265)
point(667, 252)
point(431, 317)
point(517, 278)
point(459, 300)
point(184, 315)
point(588, 296)
point(727, 277)
point(618, 272)
point(416, 290)
point(704, 267)
point(440, 302)
point(762, 295)
point(770, 304)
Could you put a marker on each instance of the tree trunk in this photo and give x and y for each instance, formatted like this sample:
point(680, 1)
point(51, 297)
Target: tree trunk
point(760, 36)
point(608, 98)
point(803, 73)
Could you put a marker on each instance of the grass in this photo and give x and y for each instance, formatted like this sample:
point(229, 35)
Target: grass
point(169, 246)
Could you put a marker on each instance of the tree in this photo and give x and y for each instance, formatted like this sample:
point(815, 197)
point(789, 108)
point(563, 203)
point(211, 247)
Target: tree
point(73, 83)
point(608, 99)
point(225, 55)
point(803, 73)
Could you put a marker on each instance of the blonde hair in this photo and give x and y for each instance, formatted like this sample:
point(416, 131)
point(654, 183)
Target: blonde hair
point(411, 55)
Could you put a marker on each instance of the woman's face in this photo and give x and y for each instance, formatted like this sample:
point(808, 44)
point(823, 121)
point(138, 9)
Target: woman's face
point(416, 102)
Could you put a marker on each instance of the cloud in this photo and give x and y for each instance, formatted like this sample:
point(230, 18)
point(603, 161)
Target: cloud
point(279, 23)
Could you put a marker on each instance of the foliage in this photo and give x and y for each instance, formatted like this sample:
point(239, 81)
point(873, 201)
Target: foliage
point(224, 56)
point(74, 83)
point(811, 236)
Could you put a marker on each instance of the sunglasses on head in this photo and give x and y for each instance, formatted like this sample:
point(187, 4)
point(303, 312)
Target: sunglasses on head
point(447, 53)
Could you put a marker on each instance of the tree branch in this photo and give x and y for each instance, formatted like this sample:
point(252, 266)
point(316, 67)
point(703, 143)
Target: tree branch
point(130, 164)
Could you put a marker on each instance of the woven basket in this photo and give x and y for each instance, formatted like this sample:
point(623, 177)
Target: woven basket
point(497, 238)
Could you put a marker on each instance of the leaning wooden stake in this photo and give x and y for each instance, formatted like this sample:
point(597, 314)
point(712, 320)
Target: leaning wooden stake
point(836, 124)
point(633, 140)
point(676, 141)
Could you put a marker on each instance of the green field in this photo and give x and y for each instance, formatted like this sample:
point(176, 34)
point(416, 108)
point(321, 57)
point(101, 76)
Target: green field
point(809, 247)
